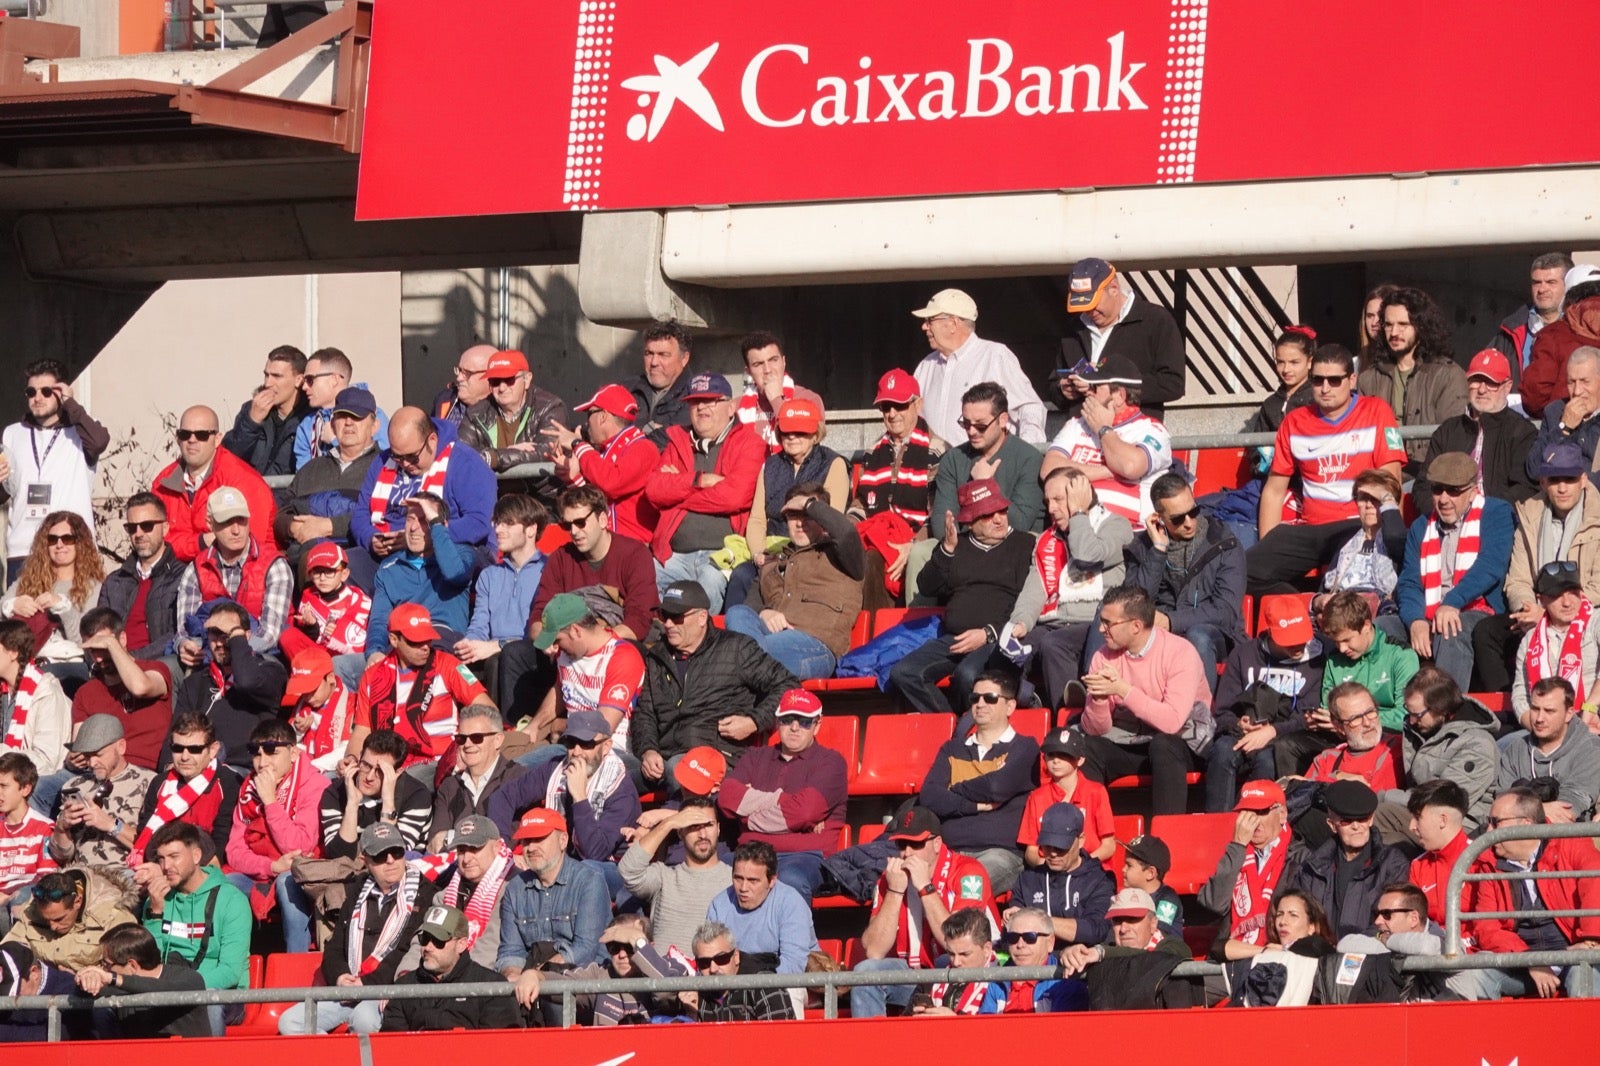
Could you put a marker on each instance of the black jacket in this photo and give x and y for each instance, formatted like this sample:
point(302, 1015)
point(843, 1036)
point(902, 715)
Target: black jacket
point(682, 699)
point(268, 446)
point(255, 696)
point(1213, 592)
point(1150, 338)
point(321, 474)
point(145, 1023)
point(1312, 873)
point(670, 409)
point(1004, 776)
point(1507, 440)
point(1083, 894)
point(335, 958)
point(447, 1012)
point(121, 587)
point(978, 586)
point(1250, 675)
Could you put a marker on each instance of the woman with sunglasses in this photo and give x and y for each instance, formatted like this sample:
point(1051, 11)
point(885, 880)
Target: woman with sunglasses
point(630, 955)
point(1369, 562)
point(60, 579)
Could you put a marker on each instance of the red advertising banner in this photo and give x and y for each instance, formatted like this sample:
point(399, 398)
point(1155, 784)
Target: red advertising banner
point(503, 106)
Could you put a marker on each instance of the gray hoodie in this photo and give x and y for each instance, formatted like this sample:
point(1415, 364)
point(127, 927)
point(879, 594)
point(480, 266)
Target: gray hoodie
point(1575, 764)
point(1462, 750)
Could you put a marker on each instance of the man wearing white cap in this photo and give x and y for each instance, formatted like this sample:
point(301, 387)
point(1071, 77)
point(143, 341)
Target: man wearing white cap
point(239, 568)
point(1544, 379)
point(960, 359)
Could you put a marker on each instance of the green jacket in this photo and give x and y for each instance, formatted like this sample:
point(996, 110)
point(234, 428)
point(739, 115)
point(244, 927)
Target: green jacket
point(1384, 670)
point(181, 927)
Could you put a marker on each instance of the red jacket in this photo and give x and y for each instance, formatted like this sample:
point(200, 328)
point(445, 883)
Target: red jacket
point(252, 592)
point(186, 521)
point(1545, 379)
point(1430, 872)
point(739, 462)
point(621, 468)
point(1579, 893)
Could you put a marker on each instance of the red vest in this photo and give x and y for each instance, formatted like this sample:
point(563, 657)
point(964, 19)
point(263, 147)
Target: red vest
point(252, 592)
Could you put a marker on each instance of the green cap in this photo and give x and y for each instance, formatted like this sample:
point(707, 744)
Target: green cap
point(563, 609)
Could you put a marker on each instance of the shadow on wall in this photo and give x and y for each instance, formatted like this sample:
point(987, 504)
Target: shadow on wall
point(128, 466)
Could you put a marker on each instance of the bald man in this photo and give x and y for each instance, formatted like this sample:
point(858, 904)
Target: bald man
point(202, 468)
point(470, 385)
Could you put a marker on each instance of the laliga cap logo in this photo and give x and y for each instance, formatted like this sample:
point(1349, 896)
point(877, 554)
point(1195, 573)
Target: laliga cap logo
point(672, 84)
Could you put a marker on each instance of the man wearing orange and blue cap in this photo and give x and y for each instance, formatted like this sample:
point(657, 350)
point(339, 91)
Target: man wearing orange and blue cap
point(1112, 320)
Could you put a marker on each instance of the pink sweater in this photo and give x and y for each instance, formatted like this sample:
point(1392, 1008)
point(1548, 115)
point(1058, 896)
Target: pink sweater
point(296, 830)
point(1167, 681)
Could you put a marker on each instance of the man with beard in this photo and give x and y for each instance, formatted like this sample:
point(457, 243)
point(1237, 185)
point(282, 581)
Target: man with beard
point(678, 893)
point(446, 961)
point(1415, 372)
point(49, 458)
point(144, 589)
point(137, 692)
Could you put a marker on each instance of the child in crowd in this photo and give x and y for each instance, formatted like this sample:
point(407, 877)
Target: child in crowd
point(1145, 864)
point(24, 834)
point(333, 614)
point(1064, 751)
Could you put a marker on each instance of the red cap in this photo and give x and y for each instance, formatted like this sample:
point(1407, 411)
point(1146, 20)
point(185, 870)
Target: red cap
point(897, 387)
point(1286, 619)
point(539, 823)
point(799, 701)
point(1490, 364)
point(1259, 795)
point(504, 364)
point(411, 620)
point(613, 399)
point(325, 555)
point(978, 498)
point(307, 670)
point(797, 416)
point(701, 770)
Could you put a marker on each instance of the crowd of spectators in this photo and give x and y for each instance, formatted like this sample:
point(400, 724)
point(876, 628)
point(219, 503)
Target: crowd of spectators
point(452, 718)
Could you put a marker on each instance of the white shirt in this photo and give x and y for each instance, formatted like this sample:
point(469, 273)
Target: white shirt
point(1130, 499)
point(943, 379)
point(1098, 336)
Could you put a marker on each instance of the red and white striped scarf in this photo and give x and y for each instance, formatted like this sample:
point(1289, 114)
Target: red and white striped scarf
point(963, 999)
point(16, 737)
point(342, 621)
point(252, 809)
point(1569, 663)
point(330, 724)
point(1253, 890)
point(175, 799)
point(432, 481)
point(389, 935)
point(485, 897)
point(903, 483)
point(751, 410)
point(1466, 554)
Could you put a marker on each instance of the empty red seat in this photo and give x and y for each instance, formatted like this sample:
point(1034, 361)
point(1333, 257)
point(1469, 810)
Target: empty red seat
point(283, 970)
point(1031, 721)
point(870, 832)
point(861, 632)
point(1199, 939)
point(897, 752)
point(854, 952)
point(1493, 701)
point(1248, 613)
point(834, 949)
point(1196, 842)
point(1216, 469)
point(886, 618)
point(1144, 780)
point(1127, 827)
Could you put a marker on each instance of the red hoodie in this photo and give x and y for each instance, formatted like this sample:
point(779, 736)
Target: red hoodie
point(1545, 379)
point(1430, 872)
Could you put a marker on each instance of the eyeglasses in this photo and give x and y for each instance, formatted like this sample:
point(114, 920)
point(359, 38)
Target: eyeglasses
point(975, 427)
point(1030, 937)
point(1449, 490)
point(428, 940)
point(886, 407)
point(500, 383)
point(392, 855)
point(409, 458)
point(369, 767)
point(990, 698)
point(1495, 823)
point(1182, 518)
point(587, 745)
point(189, 749)
point(30, 392)
point(467, 375)
point(268, 747)
point(54, 895)
point(796, 719)
point(472, 738)
point(1330, 380)
point(574, 523)
point(1368, 715)
point(1389, 912)
point(676, 618)
point(1107, 623)
point(614, 946)
point(59, 538)
point(705, 962)
point(201, 435)
point(131, 528)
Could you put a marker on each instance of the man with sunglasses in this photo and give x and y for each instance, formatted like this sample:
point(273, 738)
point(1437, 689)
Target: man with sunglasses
point(263, 432)
point(202, 467)
point(423, 457)
point(988, 450)
point(381, 915)
point(480, 771)
point(144, 589)
point(47, 460)
point(1030, 941)
point(961, 359)
point(717, 955)
point(597, 555)
point(239, 568)
point(328, 375)
point(507, 429)
point(1499, 438)
point(445, 961)
point(630, 954)
point(1455, 564)
point(195, 787)
point(791, 795)
point(318, 503)
point(1070, 888)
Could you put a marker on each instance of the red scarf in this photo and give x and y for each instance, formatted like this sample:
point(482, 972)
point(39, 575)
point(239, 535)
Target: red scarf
point(481, 907)
point(1570, 662)
point(16, 737)
point(330, 725)
point(253, 813)
point(341, 621)
point(174, 800)
point(1253, 891)
point(964, 999)
point(1050, 556)
point(1466, 555)
point(432, 481)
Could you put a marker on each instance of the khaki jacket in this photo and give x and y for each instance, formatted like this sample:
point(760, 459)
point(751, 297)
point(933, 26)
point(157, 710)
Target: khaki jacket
point(1524, 549)
point(1435, 392)
point(105, 906)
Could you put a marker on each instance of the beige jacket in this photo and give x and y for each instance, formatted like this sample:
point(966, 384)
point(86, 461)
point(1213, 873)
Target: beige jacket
point(105, 906)
point(1524, 549)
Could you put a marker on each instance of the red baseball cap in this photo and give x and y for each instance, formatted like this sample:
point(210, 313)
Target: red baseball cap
point(307, 670)
point(799, 701)
point(1490, 364)
point(1259, 795)
point(798, 416)
point(325, 555)
point(701, 770)
point(539, 823)
point(411, 620)
point(502, 364)
point(613, 399)
point(897, 387)
point(1286, 619)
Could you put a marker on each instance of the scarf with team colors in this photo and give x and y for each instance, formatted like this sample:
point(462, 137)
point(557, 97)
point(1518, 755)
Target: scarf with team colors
point(1569, 664)
point(330, 725)
point(480, 908)
point(342, 621)
point(903, 488)
point(1466, 555)
point(963, 999)
point(175, 799)
point(749, 410)
point(432, 481)
point(389, 935)
point(1253, 890)
point(16, 737)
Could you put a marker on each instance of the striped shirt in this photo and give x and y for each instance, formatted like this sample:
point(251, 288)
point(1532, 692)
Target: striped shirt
point(23, 854)
point(1130, 499)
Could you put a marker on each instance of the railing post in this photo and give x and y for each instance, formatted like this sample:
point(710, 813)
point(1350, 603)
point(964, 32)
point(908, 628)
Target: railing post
point(311, 1015)
point(569, 1008)
point(830, 1000)
point(52, 1023)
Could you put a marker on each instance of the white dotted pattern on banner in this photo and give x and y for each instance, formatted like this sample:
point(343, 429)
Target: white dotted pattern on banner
point(1180, 104)
point(591, 77)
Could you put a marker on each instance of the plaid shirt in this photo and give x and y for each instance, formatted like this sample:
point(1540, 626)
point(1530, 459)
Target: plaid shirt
point(748, 1005)
point(275, 603)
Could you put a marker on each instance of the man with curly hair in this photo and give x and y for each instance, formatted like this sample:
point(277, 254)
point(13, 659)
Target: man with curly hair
point(1415, 370)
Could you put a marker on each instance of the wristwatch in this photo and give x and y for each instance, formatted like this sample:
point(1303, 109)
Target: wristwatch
point(117, 827)
point(926, 890)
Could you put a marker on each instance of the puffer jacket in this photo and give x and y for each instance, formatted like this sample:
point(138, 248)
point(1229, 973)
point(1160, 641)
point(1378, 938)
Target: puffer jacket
point(1214, 592)
point(107, 903)
point(121, 587)
point(480, 429)
point(1462, 750)
point(1436, 392)
point(1525, 562)
point(1312, 872)
point(681, 701)
point(1544, 380)
point(818, 587)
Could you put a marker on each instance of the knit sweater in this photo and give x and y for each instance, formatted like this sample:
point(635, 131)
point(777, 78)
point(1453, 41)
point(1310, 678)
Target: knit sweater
point(1166, 681)
point(978, 585)
point(961, 778)
point(678, 895)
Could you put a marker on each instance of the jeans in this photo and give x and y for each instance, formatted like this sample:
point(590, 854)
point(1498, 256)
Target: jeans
point(694, 566)
point(801, 871)
point(294, 908)
point(1224, 767)
point(917, 676)
point(1059, 653)
point(363, 1017)
point(872, 1001)
point(349, 668)
point(608, 869)
point(1453, 655)
point(740, 578)
point(802, 654)
point(1496, 984)
point(47, 793)
point(1212, 644)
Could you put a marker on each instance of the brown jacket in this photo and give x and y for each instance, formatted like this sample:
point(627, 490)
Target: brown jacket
point(1524, 549)
point(818, 587)
point(106, 905)
point(1436, 391)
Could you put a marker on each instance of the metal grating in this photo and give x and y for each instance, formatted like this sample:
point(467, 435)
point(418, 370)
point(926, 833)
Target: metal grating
point(1229, 320)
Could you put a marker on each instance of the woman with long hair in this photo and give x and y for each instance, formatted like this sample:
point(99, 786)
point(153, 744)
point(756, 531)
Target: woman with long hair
point(60, 579)
point(1369, 333)
point(1284, 973)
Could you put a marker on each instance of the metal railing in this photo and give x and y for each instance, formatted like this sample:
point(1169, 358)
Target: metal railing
point(1460, 876)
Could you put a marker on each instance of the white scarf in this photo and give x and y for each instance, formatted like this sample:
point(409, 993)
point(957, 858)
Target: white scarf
point(389, 935)
point(602, 783)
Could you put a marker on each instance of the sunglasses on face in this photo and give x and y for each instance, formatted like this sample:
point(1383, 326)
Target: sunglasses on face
point(201, 435)
point(1448, 490)
point(411, 458)
point(55, 895)
point(1030, 937)
point(268, 747)
point(472, 738)
point(392, 855)
point(189, 749)
point(59, 538)
point(1330, 380)
point(131, 528)
point(975, 427)
point(219, 634)
point(669, 616)
point(1386, 913)
point(1183, 517)
point(705, 962)
point(1563, 480)
point(990, 698)
point(573, 742)
point(885, 408)
point(428, 940)
point(30, 392)
point(575, 523)
point(614, 946)
point(500, 383)
point(795, 719)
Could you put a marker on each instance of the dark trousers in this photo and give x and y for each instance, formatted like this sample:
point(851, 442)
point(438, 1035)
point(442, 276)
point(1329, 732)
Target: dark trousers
point(917, 675)
point(1060, 657)
point(1166, 759)
point(525, 675)
point(1294, 752)
point(1226, 769)
point(1283, 556)
point(1494, 647)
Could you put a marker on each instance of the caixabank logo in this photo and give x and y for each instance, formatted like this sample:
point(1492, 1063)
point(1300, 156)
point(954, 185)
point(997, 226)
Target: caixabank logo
point(870, 104)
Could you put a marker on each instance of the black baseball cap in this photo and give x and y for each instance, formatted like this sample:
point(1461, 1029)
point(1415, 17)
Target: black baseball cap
point(915, 824)
point(1152, 851)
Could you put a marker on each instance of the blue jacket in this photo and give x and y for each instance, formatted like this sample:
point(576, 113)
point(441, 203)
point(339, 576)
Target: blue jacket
point(437, 581)
point(303, 443)
point(1049, 997)
point(595, 833)
point(878, 656)
point(502, 599)
point(469, 495)
point(1486, 578)
point(1083, 894)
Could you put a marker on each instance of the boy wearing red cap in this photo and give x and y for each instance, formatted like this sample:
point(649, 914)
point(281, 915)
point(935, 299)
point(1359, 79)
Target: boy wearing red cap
point(321, 708)
point(333, 613)
point(616, 458)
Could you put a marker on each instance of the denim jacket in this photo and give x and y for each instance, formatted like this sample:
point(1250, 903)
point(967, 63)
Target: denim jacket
point(571, 914)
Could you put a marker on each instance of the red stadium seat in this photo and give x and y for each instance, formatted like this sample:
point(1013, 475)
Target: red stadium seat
point(1145, 780)
point(1247, 611)
point(870, 832)
point(854, 952)
point(834, 949)
point(1127, 827)
point(1493, 701)
point(886, 618)
point(255, 973)
point(897, 752)
point(282, 971)
point(861, 632)
point(841, 732)
point(1196, 842)
point(1031, 721)
point(1216, 469)
point(1199, 938)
